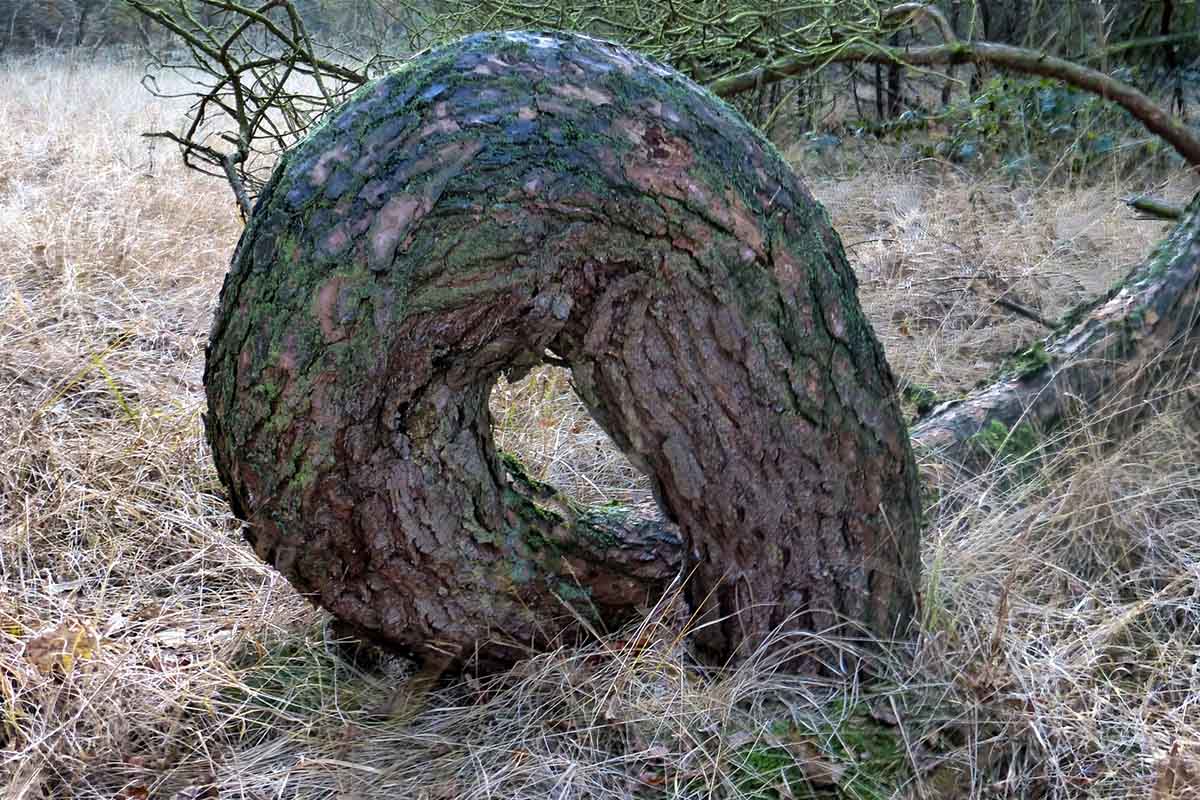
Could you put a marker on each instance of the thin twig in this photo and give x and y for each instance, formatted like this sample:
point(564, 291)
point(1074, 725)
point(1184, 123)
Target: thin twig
point(1024, 311)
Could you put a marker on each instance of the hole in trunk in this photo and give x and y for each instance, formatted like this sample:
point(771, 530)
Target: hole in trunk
point(541, 421)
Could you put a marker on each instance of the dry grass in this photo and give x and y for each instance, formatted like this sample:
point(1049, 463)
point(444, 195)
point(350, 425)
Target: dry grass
point(144, 652)
point(935, 247)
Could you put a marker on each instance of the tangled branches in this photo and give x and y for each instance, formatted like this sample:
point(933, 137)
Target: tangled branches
point(705, 39)
point(258, 78)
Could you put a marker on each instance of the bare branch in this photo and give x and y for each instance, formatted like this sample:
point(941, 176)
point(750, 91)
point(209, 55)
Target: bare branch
point(1143, 108)
point(914, 10)
point(243, 71)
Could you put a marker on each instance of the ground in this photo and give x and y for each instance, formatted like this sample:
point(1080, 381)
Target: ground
point(145, 652)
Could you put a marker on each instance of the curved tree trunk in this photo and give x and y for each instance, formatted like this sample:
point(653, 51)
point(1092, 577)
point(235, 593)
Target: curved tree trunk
point(510, 195)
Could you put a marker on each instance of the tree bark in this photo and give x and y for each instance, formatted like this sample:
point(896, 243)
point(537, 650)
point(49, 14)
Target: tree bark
point(512, 195)
point(893, 83)
point(1171, 61)
point(948, 86)
point(879, 93)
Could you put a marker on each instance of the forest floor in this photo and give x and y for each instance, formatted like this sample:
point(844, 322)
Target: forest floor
point(145, 652)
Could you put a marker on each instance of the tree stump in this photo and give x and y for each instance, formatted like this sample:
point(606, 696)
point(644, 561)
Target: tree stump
point(514, 195)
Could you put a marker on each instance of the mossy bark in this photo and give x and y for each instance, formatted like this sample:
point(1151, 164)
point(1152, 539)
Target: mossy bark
point(515, 194)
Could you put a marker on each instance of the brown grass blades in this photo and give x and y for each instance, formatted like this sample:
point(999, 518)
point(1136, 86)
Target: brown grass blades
point(144, 652)
point(935, 248)
point(541, 418)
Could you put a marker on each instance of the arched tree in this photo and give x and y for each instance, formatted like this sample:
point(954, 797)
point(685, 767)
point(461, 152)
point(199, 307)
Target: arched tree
point(513, 195)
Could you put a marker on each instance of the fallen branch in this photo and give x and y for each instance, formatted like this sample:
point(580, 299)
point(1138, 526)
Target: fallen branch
point(1118, 345)
point(1024, 311)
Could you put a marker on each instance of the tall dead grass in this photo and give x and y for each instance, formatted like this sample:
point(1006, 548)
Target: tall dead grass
point(144, 652)
point(936, 248)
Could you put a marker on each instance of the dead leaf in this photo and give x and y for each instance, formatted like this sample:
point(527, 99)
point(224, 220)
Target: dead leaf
point(171, 637)
point(649, 777)
point(148, 612)
point(740, 739)
point(66, 586)
point(819, 769)
point(63, 648)
point(115, 623)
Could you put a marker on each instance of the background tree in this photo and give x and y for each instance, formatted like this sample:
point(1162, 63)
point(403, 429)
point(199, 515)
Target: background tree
point(27, 25)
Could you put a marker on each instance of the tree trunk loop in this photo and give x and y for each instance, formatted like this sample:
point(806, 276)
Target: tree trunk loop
point(514, 194)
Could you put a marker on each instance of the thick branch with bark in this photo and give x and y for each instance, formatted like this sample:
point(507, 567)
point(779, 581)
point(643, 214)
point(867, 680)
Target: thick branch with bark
point(1125, 343)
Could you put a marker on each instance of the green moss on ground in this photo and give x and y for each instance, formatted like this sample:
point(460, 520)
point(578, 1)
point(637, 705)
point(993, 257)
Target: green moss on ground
point(849, 755)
